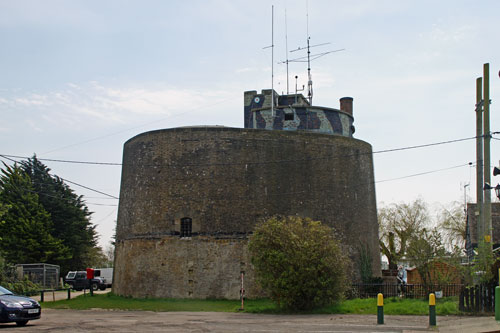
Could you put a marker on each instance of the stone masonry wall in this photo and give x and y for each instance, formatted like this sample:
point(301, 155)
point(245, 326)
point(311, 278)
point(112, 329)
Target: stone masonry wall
point(226, 180)
point(200, 267)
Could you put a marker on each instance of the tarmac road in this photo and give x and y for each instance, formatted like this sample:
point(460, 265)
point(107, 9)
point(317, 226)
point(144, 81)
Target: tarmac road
point(146, 321)
point(50, 296)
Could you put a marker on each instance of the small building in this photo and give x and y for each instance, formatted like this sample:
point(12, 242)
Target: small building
point(471, 240)
point(440, 272)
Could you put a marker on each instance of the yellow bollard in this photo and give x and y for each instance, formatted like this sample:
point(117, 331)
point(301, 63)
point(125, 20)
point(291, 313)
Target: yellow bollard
point(432, 310)
point(380, 309)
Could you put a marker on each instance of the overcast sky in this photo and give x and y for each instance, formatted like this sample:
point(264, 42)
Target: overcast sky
point(79, 78)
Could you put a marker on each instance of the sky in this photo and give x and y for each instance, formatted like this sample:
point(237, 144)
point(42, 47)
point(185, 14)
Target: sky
point(79, 78)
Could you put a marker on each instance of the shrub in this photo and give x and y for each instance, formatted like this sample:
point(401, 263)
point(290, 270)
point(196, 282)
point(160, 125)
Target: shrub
point(299, 262)
point(9, 280)
point(23, 287)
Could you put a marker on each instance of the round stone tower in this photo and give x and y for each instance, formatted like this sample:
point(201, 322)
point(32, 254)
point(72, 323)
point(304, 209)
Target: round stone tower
point(190, 197)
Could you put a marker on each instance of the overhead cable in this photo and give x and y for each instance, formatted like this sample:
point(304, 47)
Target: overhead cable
point(256, 162)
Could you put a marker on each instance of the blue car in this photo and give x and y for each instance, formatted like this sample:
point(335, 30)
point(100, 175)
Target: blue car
point(18, 309)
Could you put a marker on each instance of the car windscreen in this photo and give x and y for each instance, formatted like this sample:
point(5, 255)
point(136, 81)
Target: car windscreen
point(4, 291)
point(71, 275)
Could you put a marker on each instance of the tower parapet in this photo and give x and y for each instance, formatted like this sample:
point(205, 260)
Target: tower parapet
point(293, 112)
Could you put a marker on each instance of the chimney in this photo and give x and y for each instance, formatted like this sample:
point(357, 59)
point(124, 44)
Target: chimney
point(346, 105)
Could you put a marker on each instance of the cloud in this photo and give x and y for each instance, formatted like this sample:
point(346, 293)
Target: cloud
point(441, 33)
point(247, 69)
point(96, 102)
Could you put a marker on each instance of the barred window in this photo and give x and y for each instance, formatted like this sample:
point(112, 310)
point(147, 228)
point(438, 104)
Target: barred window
point(186, 227)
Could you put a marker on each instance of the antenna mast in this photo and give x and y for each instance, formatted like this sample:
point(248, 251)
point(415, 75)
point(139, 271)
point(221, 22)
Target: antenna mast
point(308, 58)
point(309, 82)
point(286, 48)
point(272, 59)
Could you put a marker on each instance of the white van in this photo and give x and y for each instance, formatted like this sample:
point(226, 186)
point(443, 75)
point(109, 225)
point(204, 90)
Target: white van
point(106, 274)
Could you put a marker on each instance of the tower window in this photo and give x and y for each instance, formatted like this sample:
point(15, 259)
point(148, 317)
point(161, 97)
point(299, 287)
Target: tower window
point(288, 116)
point(186, 227)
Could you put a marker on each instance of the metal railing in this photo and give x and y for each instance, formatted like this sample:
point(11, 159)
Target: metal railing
point(52, 291)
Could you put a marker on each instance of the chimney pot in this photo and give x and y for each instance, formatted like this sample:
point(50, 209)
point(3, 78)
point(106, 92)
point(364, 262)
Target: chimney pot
point(346, 105)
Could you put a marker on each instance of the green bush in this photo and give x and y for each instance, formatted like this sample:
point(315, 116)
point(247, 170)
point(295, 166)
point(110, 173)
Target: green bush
point(9, 280)
point(299, 262)
point(23, 287)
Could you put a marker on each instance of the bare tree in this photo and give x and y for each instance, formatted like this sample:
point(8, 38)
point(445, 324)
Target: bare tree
point(452, 222)
point(110, 254)
point(398, 223)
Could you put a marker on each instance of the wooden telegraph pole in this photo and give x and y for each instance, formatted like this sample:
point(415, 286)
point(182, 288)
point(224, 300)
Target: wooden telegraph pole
point(479, 159)
point(487, 162)
point(483, 138)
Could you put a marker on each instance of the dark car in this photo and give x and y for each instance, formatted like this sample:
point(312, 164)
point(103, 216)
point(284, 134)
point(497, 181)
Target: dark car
point(18, 309)
point(78, 281)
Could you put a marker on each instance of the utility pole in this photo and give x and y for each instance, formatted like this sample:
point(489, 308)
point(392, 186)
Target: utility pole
point(487, 163)
point(479, 159)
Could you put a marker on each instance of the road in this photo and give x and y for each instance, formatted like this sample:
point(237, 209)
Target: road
point(61, 295)
point(147, 321)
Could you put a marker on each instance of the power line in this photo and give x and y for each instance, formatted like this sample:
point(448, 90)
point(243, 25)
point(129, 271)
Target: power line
point(139, 126)
point(66, 180)
point(424, 145)
point(98, 204)
point(327, 190)
point(56, 160)
point(90, 189)
point(245, 197)
point(257, 162)
point(424, 173)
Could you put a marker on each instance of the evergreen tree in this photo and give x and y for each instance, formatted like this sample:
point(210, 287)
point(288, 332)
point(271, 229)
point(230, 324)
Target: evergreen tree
point(69, 214)
point(26, 226)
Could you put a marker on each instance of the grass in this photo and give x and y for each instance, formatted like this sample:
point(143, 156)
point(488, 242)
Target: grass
point(396, 306)
point(392, 306)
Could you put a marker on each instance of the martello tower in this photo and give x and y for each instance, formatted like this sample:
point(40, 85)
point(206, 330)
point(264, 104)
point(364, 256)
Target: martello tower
point(191, 196)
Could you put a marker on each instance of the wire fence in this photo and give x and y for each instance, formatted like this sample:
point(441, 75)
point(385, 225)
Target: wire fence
point(46, 275)
point(362, 290)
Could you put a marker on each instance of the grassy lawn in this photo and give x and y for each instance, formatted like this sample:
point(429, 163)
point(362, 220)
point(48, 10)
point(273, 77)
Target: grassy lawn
point(392, 306)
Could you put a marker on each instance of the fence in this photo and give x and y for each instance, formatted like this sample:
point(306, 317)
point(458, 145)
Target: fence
point(45, 275)
point(403, 290)
point(479, 298)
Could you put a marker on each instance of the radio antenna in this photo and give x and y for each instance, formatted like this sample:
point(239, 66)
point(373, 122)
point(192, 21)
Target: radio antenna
point(272, 59)
point(286, 48)
point(310, 57)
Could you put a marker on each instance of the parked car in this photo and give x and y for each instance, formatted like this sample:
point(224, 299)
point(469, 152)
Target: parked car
point(18, 309)
point(78, 281)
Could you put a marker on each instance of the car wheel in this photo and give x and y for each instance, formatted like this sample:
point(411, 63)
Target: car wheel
point(21, 323)
point(78, 289)
point(94, 286)
point(102, 287)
